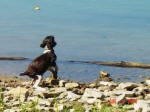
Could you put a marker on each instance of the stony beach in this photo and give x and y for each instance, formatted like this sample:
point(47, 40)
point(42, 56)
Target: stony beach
point(102, 95)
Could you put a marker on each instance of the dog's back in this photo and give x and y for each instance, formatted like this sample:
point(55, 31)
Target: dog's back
point(40, 64)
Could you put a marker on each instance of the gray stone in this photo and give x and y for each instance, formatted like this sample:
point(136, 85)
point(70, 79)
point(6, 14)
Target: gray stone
point(147, 96)
point(91, 95)
point(144, 105)
point(71, 85)
point(107, 83)
point(18, 91)
point(57, 90)
point(120, 92)
point(44, 102)
point(127, 85)
point(71, 96)
point(147, 81)
point(43, 108)
point(62, 83)
point(58, 107)
point(62, 95)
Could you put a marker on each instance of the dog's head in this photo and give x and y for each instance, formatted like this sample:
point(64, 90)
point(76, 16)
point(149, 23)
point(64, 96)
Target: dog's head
point(49, 42)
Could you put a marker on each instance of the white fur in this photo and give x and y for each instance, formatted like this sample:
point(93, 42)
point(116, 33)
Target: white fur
point(46, 50)
point(37, 81)
point(36, 84)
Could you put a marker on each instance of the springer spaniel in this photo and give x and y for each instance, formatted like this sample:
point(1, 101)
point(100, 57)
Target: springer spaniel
point(42, 63)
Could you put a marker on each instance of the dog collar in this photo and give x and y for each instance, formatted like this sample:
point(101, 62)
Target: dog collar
point(46, 51)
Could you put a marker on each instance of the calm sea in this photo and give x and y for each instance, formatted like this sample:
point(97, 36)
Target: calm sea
point(93, 30)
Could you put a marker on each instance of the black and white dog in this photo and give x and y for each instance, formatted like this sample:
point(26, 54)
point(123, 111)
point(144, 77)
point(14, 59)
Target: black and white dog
point(44, 62)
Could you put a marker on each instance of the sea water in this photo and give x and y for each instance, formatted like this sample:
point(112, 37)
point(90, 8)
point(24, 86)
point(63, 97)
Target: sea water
point(90, 30)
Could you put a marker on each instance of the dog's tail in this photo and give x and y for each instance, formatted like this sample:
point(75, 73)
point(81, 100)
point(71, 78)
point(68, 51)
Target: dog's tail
point(24, 73)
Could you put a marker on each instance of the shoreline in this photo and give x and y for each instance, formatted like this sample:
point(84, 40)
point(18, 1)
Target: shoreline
point(62, 95)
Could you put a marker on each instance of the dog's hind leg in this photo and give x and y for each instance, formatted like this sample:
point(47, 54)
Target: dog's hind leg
point(36, 84)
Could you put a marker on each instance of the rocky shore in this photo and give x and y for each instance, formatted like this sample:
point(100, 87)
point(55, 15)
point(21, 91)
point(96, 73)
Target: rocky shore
point(102, 95)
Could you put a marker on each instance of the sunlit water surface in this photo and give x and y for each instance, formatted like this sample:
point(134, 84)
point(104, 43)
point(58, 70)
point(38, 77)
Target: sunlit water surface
point(93, 30)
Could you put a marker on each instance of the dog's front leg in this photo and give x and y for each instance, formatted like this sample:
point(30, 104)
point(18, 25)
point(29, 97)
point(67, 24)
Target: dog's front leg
point(53, 72)
point(56, 69)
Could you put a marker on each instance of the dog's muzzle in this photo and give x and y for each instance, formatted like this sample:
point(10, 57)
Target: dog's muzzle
point(42, 45)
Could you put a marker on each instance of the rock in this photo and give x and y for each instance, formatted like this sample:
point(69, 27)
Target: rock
point(144, 105)
point(120, 92)
point(26, 83)
point(147, 82)
point(51, 94)
point(91, 100)
point(51, 81)
point(58, 107)
point(62, 95)
point(103, 88)
point(42, 108)
point(33, 98)
point(60, 90)
point(93, 85)
point(91, 95)
point(141, 91)
point(104, 74)
point(112, 87)
point(44, 102)
point(38, 94)
point(147, 97)
point(71, 96)
point(107, 83)
point(106, 79)
point(62, 83)
point(127, 85)
point(71, 85)
point(19, 91)
point(71, 110)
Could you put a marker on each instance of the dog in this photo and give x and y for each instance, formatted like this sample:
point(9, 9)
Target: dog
point(44, 62)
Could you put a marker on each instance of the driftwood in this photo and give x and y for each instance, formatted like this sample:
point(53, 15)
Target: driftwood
point(13, 58)
point(117, 64)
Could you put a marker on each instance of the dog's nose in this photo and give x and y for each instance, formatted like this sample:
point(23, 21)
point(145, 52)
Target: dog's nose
point(42, 45)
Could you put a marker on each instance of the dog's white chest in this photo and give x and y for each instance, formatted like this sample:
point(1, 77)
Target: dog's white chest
point(46, 50)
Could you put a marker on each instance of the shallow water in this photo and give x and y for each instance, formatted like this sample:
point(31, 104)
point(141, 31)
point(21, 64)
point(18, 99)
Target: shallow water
point(94, 30)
